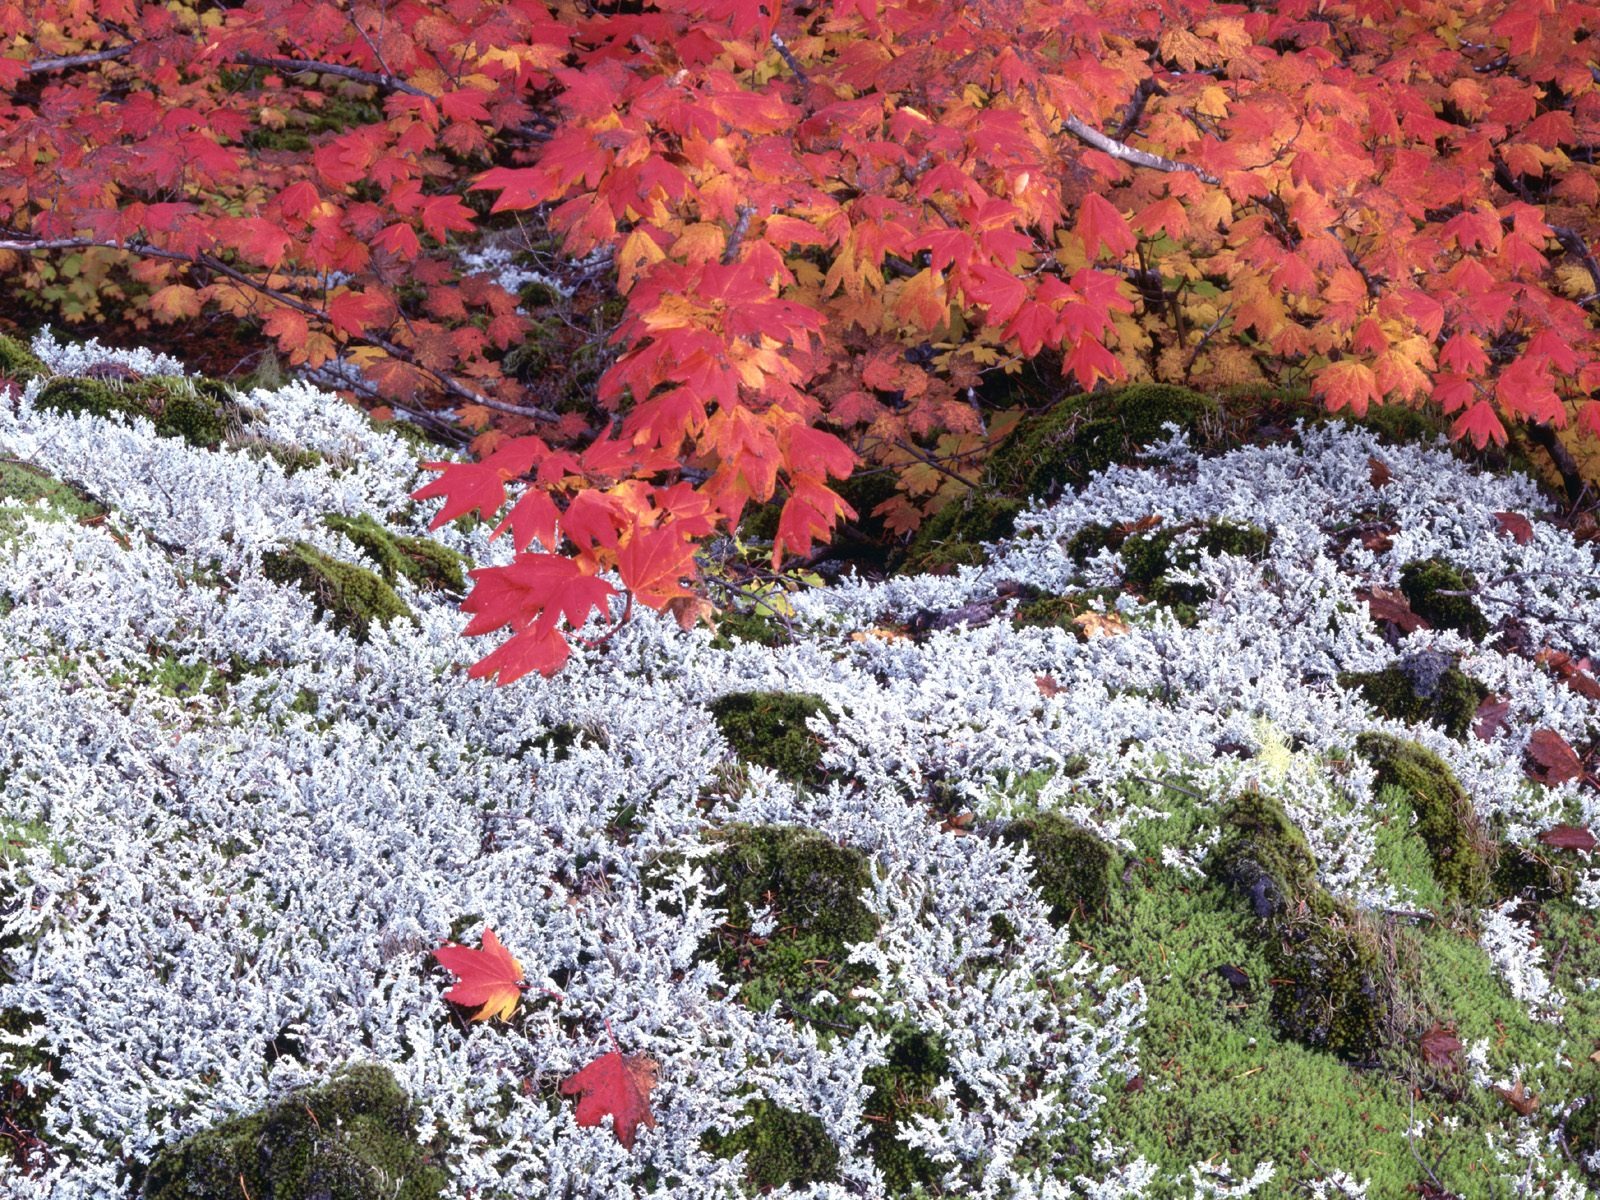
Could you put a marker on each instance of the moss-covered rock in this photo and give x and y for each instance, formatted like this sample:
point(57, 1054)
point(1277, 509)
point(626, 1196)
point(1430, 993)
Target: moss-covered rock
point(1449, 700)
point(782, 1148)
point(1064, 446)
point(917, 1063)
point(352, 1139)
point(19, 363)
point(769, 728)
point(421, 560)
point(1333, 988)
point(953, 535)
point(813, 889)
point(201, 412)
point(352, 596)
point(1441, 594)
point(1073, 867)
point(1462, 854)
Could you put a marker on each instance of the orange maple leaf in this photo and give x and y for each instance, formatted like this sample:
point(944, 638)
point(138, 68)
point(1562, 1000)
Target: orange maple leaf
point(491, 979)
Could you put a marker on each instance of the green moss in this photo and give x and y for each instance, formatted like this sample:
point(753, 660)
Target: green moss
point(734, 626)
point(1333, 989)
point(901, 1087)
point(1532, 872)
point(421, 560)
point(352, 596)
point(782, 1148)
point(46, 497)
point(769, 728)
point(1066, 445)
point(1463, 856)
point(813, 888)
point(953, 534)
point(1149, 559)
point(19, 363)
point(1452, 705)
point(1440, 594)
point(1073, 868)
point(201, 412)
point(1059, 612)
point(352, 1139)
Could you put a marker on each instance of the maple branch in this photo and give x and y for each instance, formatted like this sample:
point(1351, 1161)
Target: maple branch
point(298, 65)
point(1126, 153)
point(789, 60)
point(740, 228)
point(1132, 115)
point(938, 466)
point(46, 66)
point(211, 263)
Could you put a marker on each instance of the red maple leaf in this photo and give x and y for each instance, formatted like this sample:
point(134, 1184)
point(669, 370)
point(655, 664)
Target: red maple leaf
point(491, 979)
point(1440, 1047)
point(615, 1085)
point(1516, 525)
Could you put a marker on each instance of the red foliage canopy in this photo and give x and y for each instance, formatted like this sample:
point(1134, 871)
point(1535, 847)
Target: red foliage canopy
point(1393, 199)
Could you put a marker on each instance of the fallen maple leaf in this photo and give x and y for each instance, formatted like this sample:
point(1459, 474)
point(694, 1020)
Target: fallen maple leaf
point(1093, 625)
point(1553, 760)
point(1575, 673)
point(1047, 685)
point(1440, 1047)
point(1569, 837)
point(1490, 717)
point(615, 1085)
point(491, 979)
point(1386, 604)
point(1515, 524)
point(1378, 471)
point(1519, 1097)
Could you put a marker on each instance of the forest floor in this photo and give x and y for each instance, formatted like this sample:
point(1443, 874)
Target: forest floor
point(1222, 827)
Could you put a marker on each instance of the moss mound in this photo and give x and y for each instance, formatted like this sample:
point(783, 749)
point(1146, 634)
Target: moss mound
point(782, 1148)
point(812, 888)
point(1416, 692)
point(1462, 854)
point(201, 412)
point(421, 560)
point(1333, 988)
point(1064, 446)
point(769, 729)
point(1441, 594)
point(352, 596)
point(1150, 559)
point(1074, 869)
point(19, 363)
point(735, 626)
point(349, 1140)
point(47, 496)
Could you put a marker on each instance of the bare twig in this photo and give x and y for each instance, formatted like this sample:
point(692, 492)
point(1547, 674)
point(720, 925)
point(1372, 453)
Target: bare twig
point(297, 65)
point(1126, 153)
point(789, 60)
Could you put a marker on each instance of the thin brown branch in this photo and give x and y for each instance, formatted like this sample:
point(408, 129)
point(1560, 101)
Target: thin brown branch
point(938, 466)
point(789, 60)
point(296, 66)
point(46, 66)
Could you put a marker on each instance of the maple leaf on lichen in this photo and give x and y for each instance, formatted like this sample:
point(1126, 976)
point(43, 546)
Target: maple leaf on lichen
point(491, 979)
point(618, 1086)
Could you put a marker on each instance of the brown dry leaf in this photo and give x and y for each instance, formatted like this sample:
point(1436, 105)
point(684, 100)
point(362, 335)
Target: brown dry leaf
point(1378, 471)
point(1515, 524)
point(1519, 1097)
point(1142, 525)
point(1577, 673)
point(1569, 837)
point(1377, 541)
point(1092, 625)
point(1551, 759)
point(1440, 1047)
point(1047, 685)
point(879, 635)
point(1490, 718)
point(1386, 604)
point(690, 610)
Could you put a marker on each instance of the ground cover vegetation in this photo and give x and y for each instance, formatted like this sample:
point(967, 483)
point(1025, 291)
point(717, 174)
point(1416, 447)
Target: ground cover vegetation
point(767, 246)
point(1224, 826)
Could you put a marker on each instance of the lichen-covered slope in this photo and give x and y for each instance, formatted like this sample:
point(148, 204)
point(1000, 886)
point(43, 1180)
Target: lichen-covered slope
point(1230, 901)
